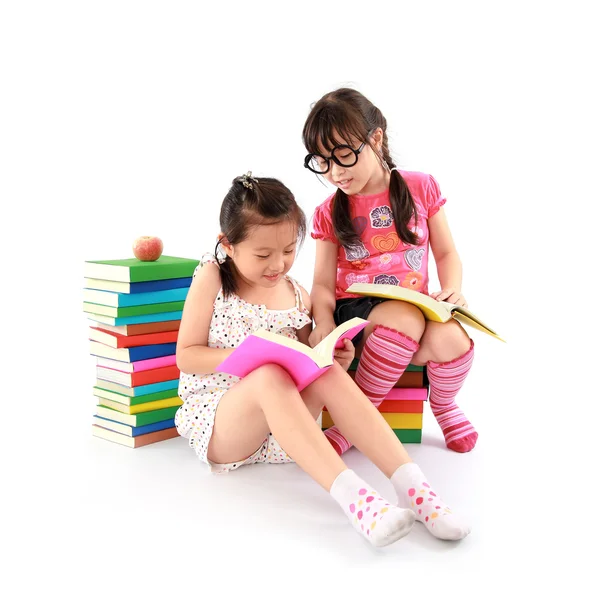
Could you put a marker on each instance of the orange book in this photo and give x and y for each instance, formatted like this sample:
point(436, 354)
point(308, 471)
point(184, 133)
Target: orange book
point(140, 328)
point(138, 377)
point(117, 340)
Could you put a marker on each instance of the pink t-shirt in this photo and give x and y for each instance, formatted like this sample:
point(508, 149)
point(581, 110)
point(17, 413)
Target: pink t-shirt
point(382, 257)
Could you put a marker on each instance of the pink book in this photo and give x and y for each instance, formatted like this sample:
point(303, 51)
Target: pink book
point(407, 394)
point(304, 364)
point(138, 365)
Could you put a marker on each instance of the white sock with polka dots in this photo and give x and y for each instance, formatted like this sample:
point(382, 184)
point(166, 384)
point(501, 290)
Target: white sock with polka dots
point(414, 492)
point(371, 515)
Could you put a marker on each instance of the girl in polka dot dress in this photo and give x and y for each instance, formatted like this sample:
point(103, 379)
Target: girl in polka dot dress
point(262, 418)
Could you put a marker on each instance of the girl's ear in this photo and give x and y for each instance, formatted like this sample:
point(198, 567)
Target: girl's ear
point(227, 247)
point(377, 138)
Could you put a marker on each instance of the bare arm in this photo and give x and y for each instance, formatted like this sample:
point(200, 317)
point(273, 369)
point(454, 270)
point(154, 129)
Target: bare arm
point(323, 288)
point(305, 331)
point(193, 353)
point(344, 355)
point(447, 260)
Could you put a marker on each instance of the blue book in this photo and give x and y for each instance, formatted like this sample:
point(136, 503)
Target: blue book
point(129, 429)
point(134, 353)
point(117, 300)
point(138, 390)
point(140, 287)
point(151, 318)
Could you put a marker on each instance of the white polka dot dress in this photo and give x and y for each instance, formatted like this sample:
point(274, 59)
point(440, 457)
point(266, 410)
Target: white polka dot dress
point(232, 321)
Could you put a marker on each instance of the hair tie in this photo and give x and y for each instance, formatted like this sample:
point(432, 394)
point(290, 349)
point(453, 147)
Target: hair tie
point(247, 180)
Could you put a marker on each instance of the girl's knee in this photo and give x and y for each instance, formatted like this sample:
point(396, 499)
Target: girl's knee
point(271, 375)
point(402, 317)
point(444, 341)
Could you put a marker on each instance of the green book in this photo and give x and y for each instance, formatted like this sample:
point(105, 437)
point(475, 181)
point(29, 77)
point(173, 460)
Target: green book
point(137, 420)
point(354, 366)
point(408, 436)
point(132, 311)
point(133, 400)
point(132, 270)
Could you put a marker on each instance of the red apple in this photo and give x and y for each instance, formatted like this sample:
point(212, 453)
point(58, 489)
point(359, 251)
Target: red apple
point(147, 248)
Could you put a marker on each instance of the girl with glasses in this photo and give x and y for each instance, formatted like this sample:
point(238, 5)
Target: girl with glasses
point(377, 228)
point(232, 422)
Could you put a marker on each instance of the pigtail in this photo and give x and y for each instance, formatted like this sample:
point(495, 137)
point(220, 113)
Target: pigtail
point(342, 225)
point(346, 114)
point(226, 273)
point(401, 200)
point(403, 208)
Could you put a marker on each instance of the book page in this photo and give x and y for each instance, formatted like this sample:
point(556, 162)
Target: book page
point(432, 309)
point(296, 345)
point(263, 347)
point(466, 317)
point(335, 339)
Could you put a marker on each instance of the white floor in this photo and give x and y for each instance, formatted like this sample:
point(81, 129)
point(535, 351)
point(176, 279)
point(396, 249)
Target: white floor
point(154, 518)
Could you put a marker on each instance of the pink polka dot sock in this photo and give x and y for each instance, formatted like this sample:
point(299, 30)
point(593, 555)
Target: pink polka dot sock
point(414, 492)
point(371, 515)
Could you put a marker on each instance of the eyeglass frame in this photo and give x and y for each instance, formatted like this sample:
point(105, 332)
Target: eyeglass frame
point(356, 152)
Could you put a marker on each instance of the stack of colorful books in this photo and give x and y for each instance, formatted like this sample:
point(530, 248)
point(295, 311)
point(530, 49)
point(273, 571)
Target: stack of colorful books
point(403, 406)
point(135, 308)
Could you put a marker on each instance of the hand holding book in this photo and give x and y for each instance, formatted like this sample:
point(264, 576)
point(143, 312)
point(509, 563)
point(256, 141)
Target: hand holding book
point(303, 363)
point(451, 296)
point(433, 310)
point(345, 355)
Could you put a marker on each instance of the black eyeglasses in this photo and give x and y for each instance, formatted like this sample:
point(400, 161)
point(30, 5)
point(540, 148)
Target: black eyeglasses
point(344, 156)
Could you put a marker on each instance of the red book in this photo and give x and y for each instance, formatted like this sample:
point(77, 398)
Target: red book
point(139, 328)
point(401, 406)
point(404, 400)
point(117, 340)
point(138, 377)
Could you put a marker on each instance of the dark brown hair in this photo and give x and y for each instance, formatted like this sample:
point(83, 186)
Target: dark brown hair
point(346, 113)
point(251, 202)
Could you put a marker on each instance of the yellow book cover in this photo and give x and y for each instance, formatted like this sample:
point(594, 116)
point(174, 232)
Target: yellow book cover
point(139, 408)
point(432, 309)
point(394, 420)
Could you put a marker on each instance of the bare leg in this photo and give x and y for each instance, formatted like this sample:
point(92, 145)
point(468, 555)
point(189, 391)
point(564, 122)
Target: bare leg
point(442, 342)
point(365, 427)
point(387, 346)
point(358, 419)
point(267, 401)
point(400, 316)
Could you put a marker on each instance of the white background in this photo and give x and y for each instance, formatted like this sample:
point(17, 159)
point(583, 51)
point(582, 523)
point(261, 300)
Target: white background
point(121, 119)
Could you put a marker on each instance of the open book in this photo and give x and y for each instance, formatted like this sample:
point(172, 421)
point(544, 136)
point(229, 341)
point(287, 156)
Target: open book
point(304, 364)
point(433, 310)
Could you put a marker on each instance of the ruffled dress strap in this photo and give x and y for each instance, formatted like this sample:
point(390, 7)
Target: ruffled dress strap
point(298, 293)
point(208, 257)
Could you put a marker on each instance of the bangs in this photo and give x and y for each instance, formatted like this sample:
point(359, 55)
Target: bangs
point(330, 125)
point(253, 219)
